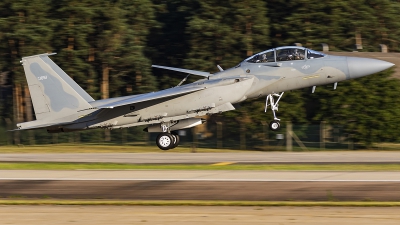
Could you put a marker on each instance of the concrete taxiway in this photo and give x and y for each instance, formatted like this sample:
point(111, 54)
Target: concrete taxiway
point(200, 175)
point(209, 158)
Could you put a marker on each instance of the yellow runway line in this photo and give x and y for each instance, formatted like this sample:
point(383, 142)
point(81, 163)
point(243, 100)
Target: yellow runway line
point(223, 163)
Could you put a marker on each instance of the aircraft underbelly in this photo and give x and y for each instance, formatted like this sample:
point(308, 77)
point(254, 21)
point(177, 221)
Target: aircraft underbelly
point(210, 100)
point(202, 100)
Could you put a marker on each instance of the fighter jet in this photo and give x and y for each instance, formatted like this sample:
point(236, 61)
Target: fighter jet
point(61, 105)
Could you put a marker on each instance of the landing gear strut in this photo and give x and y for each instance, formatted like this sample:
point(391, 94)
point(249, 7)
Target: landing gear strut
point(270, 101)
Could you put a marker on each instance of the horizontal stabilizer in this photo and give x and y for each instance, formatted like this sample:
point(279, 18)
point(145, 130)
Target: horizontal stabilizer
point(194, 72)
point(27, 127)
point(172, 92)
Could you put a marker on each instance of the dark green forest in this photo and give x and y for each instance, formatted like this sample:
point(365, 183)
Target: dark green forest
point(108, 47)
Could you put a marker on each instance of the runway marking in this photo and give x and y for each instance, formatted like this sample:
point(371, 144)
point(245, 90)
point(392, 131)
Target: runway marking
point(223, 163)
point(213, 180)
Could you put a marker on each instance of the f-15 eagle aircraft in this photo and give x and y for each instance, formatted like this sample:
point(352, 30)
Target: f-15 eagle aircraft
point(61, 105)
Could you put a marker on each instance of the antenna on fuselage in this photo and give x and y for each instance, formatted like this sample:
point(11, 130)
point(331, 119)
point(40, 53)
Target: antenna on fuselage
point(313, 89)
point(220, 68)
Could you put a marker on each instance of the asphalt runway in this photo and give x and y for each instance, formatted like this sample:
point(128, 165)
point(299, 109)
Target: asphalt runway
point(202, 190)
point(201, 185)
point(169, 157)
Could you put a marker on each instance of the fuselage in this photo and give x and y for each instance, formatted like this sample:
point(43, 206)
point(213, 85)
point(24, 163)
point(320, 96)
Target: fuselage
point(272, 71)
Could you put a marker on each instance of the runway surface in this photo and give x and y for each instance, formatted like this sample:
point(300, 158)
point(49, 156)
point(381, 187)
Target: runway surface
point(201, 185)
point(200, 175)
point(205, 184)
point(209, 158)
point(183, 215)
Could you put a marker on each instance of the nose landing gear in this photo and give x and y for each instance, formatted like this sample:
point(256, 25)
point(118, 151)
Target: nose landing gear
point(270, 101)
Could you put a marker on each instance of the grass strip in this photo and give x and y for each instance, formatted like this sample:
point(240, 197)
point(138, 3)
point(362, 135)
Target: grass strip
point(195, 203)
point(264, 167)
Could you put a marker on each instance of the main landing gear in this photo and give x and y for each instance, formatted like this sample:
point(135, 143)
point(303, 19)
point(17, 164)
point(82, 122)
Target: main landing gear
point(270, 101)
point(167, 140)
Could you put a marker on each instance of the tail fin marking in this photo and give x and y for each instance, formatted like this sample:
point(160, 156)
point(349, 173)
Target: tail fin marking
point(68, 79)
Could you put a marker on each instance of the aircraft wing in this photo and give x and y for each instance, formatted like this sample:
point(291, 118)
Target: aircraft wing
point(172, 92)
point(194, 72)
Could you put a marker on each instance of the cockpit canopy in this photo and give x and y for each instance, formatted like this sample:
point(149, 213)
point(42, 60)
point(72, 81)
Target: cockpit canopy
point(287, 53)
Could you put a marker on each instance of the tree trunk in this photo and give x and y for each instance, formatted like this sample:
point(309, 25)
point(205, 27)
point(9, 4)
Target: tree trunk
point(249, 40)
point(242, 135)
point(358, 40)
point(28, 113)
point(91, 55)
point(105, 82)
point(17, 111)
point(105, 95)
point(138, 79)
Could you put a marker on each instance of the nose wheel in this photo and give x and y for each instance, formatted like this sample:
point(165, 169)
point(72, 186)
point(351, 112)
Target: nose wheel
point(274, 125)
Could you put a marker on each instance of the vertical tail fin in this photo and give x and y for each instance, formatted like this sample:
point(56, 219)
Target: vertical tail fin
point(54, 94)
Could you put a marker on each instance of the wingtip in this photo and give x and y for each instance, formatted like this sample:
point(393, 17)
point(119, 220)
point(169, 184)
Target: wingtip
point(39, 55)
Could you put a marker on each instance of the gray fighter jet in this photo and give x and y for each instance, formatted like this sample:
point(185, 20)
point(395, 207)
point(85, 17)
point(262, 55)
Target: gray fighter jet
point(61, 105)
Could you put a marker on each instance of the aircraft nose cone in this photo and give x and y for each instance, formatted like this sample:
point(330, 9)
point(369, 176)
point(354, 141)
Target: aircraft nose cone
point(359, 67)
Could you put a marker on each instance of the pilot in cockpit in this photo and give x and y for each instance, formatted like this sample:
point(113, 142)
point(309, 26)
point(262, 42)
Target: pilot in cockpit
point(297, 55)
point(290, 54)
point(261, 58)
point(264, 57)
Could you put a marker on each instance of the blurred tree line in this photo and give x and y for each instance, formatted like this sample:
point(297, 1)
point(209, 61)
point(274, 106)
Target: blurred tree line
point(108, 46)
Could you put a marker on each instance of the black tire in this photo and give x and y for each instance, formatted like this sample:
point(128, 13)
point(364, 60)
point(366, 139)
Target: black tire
point(165, 141)
point(274, 125)
point(176, 139)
